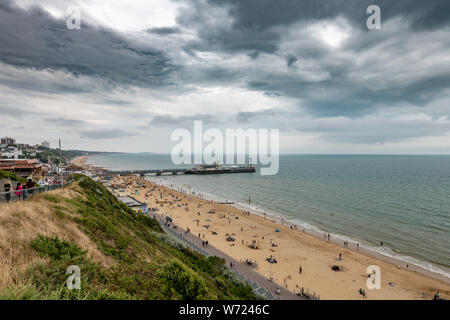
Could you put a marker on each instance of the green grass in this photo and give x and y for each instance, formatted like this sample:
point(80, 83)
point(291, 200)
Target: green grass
point(11, 176)
point(55, 248)
point(51, 198)
point(147, 265)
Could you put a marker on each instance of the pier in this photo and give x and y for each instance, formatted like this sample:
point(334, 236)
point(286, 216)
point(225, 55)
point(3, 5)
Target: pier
point(202, 169)
point(157, 172)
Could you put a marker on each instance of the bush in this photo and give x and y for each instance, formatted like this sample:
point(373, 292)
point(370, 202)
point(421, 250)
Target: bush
point(56, 249)
point(186, 282)
point(11, 176)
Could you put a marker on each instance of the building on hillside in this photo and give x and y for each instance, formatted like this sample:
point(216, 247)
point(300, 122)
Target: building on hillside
point(11, 152)
point(24, 168)
point(23, 146)
point(7, 141)
point(45, 144)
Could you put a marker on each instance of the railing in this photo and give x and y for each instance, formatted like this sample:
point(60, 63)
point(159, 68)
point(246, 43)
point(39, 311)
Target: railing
point(20, 195)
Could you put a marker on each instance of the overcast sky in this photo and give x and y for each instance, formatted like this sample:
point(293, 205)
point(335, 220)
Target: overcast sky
point(137, 70)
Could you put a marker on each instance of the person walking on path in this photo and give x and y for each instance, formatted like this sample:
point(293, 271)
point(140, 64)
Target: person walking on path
point(19, 191)
point(7, 188)
point(30, 185)
point(24, 193)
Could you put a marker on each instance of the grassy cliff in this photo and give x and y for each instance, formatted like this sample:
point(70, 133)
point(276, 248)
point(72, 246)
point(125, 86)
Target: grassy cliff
point(11, 176)
point(121, 255)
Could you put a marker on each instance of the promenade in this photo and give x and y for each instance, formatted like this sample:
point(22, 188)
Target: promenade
point(261, 285)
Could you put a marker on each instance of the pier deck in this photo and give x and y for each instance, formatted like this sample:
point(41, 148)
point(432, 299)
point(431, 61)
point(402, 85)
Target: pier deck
point(159, 172)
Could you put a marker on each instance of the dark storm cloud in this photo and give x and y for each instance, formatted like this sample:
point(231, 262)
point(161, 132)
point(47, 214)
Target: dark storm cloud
point(265, 14)
point(10, 107)
point(262, 46)
point(373, 129)
point(168, 120)
point(164, 31)
point(106, 133)
point(13, 112)
point(245, 117)
point(258, 26)
point(252, 30)
point(291, 59)
point(64, 122)
point(34, 39)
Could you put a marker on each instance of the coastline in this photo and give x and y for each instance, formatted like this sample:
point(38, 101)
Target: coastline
point(408, 284)
point(80, 162)
point(294, 248)
point(413, 264)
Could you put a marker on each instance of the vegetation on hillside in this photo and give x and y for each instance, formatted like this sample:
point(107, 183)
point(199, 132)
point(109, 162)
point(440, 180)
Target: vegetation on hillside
point(129, 255)
point(11, 176)
point(45, 154)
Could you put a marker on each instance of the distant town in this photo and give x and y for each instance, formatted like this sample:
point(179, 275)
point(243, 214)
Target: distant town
point(38, 161)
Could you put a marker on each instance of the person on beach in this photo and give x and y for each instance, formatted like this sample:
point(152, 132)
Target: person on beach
point(362, 292)
point(300, 270)
point(7, 188)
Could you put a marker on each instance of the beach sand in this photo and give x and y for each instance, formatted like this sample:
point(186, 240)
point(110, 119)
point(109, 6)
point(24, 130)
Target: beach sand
point(294, 248)
point(80, 162)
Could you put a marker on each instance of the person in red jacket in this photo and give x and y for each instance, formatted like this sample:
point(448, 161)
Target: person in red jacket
point(19, 191)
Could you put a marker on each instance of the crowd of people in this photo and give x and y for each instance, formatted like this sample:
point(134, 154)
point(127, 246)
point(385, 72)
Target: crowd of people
point(22, 191)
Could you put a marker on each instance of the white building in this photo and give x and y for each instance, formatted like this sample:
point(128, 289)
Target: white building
point(11, 153)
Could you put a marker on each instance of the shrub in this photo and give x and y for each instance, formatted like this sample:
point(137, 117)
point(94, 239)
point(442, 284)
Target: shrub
point(56, 249)
point(11, 176)
point(185, 281)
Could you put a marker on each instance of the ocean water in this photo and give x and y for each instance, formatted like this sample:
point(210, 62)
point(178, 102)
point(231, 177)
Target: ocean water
point(403, 201)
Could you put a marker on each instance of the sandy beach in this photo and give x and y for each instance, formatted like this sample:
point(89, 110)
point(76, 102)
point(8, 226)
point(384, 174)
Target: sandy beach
point(80, 162)
point(292, 248)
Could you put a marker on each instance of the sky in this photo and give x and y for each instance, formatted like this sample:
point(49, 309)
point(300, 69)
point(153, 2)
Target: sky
point(138, 70)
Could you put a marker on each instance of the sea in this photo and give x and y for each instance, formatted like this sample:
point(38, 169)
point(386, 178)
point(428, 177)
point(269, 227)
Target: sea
point(400, 200)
